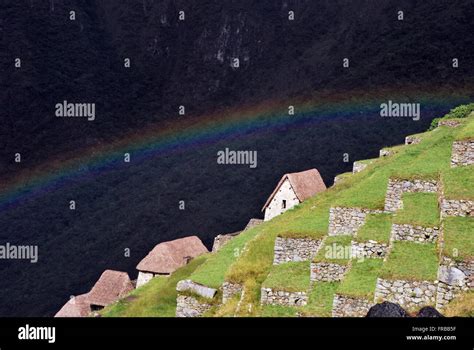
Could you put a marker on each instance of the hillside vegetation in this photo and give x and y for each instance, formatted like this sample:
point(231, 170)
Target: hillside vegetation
point(248, 259)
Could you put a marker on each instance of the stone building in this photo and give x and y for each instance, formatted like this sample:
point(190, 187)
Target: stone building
point(291, 190)
point(110, 287)
point(167, 257)
point(77, 306)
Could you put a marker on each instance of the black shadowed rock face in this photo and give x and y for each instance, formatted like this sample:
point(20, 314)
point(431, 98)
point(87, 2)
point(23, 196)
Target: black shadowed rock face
point(387, 309)
point(429, 311)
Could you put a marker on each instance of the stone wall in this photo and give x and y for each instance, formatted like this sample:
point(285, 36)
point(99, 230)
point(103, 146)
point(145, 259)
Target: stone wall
point(220, 240)
point(294, 249)
point(278, 297)
point(462, 153)
point(454, 278)
point(347, 221)
point(457, 207)
point(451, 123)
point(385, 153)
point(144, 278)
point(369, 249)
point(417, 234)
point(188, 306)
point(193, 287)
point(408, 294)
point(412, 140)
point(395, 189)
point(358, 167)
point(344, 306)
point(229, 290)
point(327, 272)
point(284, 193)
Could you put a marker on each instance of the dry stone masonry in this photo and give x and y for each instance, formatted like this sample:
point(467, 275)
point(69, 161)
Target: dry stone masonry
point(462, 153)
point(327, 272)
point(347, 221)
point(344, 306)
point(188, 306)
point(454, 278)
point(358, 167)
point(417, 234)
point(457, 207)
point(229, 290)
point(451, 123)
point(385, 152)
point(395, 189)
point(279, 297)
point(408, 294)
point(193, 287)
point(294, 249)
point(369, 249)
point(412, 140)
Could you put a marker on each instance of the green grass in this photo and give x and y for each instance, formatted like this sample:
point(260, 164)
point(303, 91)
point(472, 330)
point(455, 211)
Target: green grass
point(411, 261)
point(344, 176)
point(366, 161)
point(467, 132)
point(213, 271)
point(459, 182)
point(301, 235)
point(377, 227)
point(157, 298)
point(278, 311)
point(336, 249)
point(320, 299)
point(361, 279)
point(459, 238)
point(291, 277)
point(418, 209)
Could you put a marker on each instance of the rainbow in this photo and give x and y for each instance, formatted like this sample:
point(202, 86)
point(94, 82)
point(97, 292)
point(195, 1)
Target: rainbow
point(198, 131)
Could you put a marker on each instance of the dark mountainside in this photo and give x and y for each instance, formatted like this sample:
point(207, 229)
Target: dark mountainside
point(188, 63)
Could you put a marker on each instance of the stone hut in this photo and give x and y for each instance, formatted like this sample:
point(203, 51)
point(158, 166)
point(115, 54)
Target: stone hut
point(167, 257)
point(77, 306)
point(292, 189)
point(110, 287)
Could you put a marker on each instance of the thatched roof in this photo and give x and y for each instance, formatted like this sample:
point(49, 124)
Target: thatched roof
point(111, 286)
point(166, 257)
point(305, 184)
point(77, 306)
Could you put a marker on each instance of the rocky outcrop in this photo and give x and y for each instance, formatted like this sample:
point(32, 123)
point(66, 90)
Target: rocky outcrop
point(462, 153)
point(327, 272)
point(387, 309)
point(457, 207)
point(428, 311)
point(347, 221)
point(417, 234)
point(294, 249)
point(229, 290)
point(396, 188)
point(369, 249)
point(188, 306)
point(408, 294)
point(344, 306)
point(278, 297)
point(193, 287)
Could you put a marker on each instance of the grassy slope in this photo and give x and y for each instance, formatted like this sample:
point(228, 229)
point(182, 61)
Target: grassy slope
point(419, 209)
point(156, 298)
point(252, 265)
